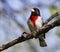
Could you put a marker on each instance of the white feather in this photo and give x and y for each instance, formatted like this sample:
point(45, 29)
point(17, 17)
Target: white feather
point(39, 22)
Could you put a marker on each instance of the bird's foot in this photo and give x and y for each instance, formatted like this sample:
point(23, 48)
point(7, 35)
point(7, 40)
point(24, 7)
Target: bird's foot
point(34, 33)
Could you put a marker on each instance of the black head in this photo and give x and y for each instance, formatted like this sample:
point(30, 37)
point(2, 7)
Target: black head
point(35, 12)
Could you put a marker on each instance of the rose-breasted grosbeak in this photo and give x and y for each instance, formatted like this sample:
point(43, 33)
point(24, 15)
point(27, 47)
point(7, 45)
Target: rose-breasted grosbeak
point(35, 23)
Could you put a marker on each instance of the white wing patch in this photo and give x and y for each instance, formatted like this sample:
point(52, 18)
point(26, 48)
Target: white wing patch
point(39, 22)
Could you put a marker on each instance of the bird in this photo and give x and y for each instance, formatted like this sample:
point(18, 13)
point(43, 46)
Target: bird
point(35, 23)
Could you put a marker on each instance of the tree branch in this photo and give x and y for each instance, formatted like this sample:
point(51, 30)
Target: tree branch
point(53, 16)
point(26, 36)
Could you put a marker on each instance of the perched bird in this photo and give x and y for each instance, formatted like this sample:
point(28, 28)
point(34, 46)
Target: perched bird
point(35, 23)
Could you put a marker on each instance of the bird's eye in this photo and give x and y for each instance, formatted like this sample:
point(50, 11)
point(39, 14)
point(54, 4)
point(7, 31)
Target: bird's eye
point(33, 10)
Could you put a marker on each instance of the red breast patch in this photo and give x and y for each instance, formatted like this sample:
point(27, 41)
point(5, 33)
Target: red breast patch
point(33, 19)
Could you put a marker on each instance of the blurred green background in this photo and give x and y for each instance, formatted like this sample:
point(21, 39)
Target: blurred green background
point(13, 21)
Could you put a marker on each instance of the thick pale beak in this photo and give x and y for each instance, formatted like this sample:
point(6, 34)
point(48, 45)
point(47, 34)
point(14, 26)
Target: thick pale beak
point(33, 10)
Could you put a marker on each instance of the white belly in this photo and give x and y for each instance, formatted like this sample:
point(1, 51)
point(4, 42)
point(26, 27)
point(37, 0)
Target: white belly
point(39, 23)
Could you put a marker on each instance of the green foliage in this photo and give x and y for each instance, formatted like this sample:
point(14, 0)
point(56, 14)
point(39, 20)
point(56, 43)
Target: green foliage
point(58, 31)
point(54, 9)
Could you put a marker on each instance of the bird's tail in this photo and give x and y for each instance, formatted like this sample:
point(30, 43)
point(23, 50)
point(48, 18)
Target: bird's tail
point(42, 42)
